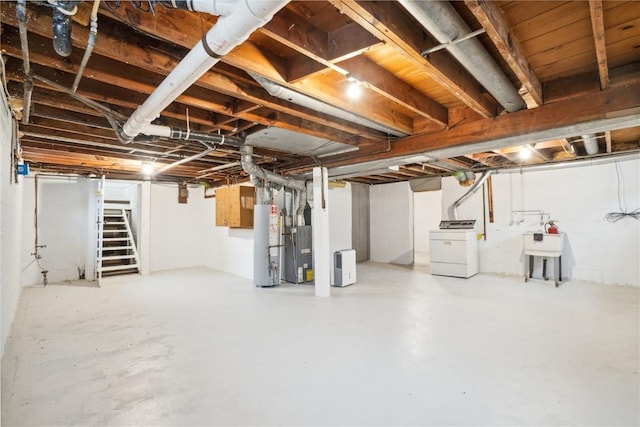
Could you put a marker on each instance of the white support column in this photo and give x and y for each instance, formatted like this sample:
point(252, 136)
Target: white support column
point(321, 248)
point(144, 244)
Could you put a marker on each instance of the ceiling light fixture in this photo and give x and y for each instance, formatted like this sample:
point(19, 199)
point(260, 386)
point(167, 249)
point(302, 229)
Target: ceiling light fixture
point(147, 168)
point(354, 90)
point(525, 152)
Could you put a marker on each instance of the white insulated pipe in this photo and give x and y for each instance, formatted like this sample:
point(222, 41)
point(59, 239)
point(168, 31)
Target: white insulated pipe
point(590, 144)
point(243, 19)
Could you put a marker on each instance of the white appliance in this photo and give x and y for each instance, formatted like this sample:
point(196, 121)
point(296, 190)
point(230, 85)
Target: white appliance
point(454, 249)
point(344, 270)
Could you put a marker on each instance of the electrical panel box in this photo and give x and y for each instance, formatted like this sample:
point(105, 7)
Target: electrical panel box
point(234, 206)
point(298, 254)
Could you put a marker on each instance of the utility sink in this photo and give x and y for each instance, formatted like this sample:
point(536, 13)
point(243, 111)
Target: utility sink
point(543, 244)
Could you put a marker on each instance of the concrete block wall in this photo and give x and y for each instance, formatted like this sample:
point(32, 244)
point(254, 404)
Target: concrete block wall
point(10, 227)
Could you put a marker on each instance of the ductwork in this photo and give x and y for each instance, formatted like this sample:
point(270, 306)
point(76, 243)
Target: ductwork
point(590, 144)
point(257, 172)
point(284, 93)
point(446, 25)
point(21, 14)
point(453, 209)
point(232, 28)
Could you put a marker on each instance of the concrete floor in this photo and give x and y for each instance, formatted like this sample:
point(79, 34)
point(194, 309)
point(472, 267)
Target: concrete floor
point(199, 347)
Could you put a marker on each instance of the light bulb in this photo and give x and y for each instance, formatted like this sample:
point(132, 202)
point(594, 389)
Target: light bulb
point(354, 90)
point(147, 169)
point(525, 153)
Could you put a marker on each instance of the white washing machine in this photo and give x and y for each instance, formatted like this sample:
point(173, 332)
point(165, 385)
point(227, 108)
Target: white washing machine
point(453, 249)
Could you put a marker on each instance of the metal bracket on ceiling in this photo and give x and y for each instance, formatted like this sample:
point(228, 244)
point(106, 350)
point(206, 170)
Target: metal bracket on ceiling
point(453, 42)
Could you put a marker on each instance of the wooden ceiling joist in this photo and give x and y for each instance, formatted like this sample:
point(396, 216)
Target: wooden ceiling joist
point(492, 20)
point(597, 24)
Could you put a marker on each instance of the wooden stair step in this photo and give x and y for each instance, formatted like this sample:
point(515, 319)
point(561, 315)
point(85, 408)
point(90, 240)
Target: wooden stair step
point(119, 267)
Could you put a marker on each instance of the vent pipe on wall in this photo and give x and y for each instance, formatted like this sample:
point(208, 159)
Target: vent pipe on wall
point(233, 27)
point(445, 24)
point(453, 209)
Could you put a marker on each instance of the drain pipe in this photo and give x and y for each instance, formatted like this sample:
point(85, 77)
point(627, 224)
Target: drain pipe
point(232, 28)
point(453, 209)
point(590, 144)
point(93, 32)
point(63, 10)
point(21, 14)
point(446, 25)
point(257, 172)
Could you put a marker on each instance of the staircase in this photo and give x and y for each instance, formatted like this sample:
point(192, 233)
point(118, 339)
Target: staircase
point(117, 252)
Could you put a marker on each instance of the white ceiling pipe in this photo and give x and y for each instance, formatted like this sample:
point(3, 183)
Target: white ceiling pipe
point(227, 33)
point(446, 25)
point(206, 151)
point(590, 144)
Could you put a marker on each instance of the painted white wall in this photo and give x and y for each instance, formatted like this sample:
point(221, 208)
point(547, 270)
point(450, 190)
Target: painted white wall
point(10, 227)
point(228, 249)
point(427, 208)
point(177, 231)
point(579, 198)
point(392, 223)
point(339, 221)
point(63, 221)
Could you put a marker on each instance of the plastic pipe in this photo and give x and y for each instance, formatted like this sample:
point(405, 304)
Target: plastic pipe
point(227, 33)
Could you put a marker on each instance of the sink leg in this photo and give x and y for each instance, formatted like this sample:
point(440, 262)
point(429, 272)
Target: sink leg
point(544, 269)
point(530, 266)
point(560, 268)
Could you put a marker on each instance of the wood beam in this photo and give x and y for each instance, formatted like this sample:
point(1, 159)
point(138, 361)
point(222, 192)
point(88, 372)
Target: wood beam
point(597, 24)
point(489, 15)
point(388, 23)
point(114, 45)
point(615, 108)
point(249, 57)
point(386, 84)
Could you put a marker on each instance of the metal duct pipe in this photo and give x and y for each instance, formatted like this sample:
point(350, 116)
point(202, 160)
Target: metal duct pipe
point(252, 169)
point(61, 25)
point(453, 209)
point(93, 32)
point(187, 159)
point(444, 23)
point(281, 92)
point(571, 164)
point(229, 31)
point(590, 144)
point(21, 14)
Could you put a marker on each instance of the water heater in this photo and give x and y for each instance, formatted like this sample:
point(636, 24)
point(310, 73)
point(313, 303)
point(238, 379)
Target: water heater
point(266, 245)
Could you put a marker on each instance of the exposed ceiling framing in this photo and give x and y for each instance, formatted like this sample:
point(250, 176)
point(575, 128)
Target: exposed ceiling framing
point(576, 66)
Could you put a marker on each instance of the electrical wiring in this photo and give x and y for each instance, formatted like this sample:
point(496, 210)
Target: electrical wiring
point(623, 213)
